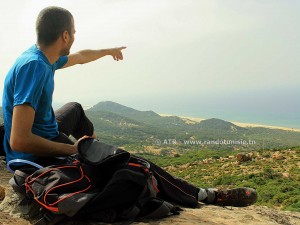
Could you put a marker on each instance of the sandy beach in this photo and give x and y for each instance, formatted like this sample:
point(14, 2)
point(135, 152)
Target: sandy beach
point(197, 120)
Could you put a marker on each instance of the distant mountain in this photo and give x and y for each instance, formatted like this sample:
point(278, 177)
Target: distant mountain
point(148, 117)
point(119, 124)
point(122, 110)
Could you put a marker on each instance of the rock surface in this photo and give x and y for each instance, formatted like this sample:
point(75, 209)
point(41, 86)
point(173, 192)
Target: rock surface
point(208, 215)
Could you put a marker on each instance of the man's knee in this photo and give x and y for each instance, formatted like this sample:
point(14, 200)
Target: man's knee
point(71, 108)
point(75, 105)
point(72, 120)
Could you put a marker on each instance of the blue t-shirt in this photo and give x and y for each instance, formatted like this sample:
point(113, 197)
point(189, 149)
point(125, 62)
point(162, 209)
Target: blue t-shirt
point(31, 80)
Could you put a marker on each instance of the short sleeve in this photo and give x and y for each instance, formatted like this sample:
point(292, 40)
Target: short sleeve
point(29, 83)
point(60, 62)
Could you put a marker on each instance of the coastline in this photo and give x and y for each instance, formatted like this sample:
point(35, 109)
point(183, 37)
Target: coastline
point(189, 119)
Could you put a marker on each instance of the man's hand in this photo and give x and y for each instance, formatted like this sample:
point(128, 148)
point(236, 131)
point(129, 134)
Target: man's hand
point(76, 144)
point(116, 53)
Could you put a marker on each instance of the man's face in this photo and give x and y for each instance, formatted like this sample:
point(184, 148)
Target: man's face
point(70, 40)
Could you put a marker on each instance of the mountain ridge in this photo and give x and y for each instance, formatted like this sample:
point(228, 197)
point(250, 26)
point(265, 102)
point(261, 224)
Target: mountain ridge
point(119, 124)
point(121, 109)
point(138, 115)
point(113, 107)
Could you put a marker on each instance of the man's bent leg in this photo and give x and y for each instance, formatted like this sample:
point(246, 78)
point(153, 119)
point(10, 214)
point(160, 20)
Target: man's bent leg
point(72, 120)
point(186, 194)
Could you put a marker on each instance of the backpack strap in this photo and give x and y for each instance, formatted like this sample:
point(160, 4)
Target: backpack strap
point(18, 180)
point(46, 219)
point(151, 180)
point(57, 179)
point(50, 218)
point(165, 209)
point(145, 208)
point(28, 205)
point(131, 213)
point(148, 206)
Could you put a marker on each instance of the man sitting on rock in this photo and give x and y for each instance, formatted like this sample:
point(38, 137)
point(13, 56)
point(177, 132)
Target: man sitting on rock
point(34, 132)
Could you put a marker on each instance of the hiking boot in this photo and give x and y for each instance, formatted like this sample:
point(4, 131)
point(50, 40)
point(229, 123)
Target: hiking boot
point(238, 197)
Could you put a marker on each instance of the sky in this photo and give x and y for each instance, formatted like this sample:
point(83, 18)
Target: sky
point(234, 60)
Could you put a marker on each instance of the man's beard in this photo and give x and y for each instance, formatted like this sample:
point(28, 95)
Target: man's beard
point(65, 51)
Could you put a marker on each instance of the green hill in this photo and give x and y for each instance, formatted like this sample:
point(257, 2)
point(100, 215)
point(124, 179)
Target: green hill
point(122, 110)
point(121, 125)
point(148, 117)
point(217, 124)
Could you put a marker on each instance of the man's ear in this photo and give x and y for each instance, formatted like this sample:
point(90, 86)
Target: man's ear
point(65, 36)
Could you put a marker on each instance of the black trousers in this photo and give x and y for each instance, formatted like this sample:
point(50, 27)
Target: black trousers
point(72, 120)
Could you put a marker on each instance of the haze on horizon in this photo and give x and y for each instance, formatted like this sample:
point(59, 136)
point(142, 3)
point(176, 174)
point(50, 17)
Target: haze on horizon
point(234, 60)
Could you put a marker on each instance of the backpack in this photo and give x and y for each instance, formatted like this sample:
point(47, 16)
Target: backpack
point(101, 182)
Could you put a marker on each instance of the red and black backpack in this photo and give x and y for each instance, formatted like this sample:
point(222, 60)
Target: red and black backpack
point(101, 183)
